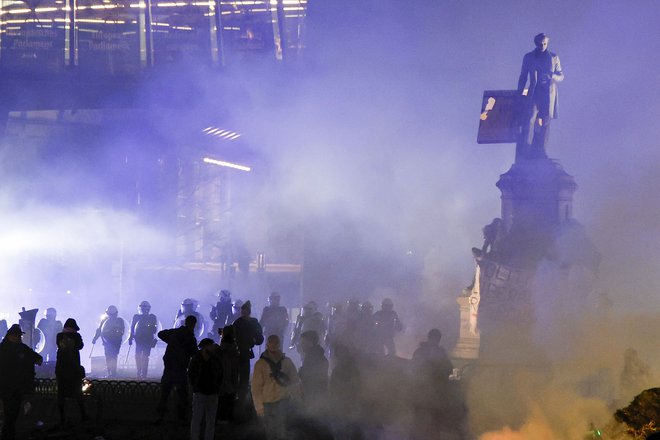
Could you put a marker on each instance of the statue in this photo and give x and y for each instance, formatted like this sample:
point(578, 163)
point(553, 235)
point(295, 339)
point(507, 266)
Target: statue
point(539, 104)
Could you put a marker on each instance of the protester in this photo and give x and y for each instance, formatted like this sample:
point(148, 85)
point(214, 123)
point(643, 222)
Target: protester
point(229, 360)
point(345, 390)
point(313, 371)
point(205, 376)
point(181, 346)
point(17, 362)
point(433, 407)
point(274, 384)
point(248, 334)
point(68, 370)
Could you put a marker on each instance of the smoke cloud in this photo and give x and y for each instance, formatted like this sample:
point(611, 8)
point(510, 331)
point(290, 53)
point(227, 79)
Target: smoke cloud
point(371, 138)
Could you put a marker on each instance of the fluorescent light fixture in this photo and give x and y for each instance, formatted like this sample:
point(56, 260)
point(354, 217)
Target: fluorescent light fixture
point(222, 163)
point(223, 134)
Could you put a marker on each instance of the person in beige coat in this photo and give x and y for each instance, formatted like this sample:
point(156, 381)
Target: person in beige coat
point(274, 385)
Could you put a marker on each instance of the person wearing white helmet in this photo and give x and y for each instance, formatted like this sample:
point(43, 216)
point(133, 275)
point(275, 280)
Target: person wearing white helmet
point(189, 308)
point(111, 332)
point(310, 319)
point(275, 317)
point(143, 330)
point(221, 314)
point(236, 311)
point(50, 327)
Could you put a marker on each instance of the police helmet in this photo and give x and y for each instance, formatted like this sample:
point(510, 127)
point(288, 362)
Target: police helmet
point(144, 305)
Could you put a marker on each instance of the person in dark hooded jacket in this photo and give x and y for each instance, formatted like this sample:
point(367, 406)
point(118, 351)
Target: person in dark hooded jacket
point(205, 376)
point(181, 346)
point(313, 373)
point(229, 361)
point(17, 362)
point(434, 406)
point(248, 334)
point(68, 370)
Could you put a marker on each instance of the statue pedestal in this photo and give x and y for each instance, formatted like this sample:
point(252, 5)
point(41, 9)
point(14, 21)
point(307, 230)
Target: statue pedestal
point(536, 194)
point(467, 346)
point(533, 264)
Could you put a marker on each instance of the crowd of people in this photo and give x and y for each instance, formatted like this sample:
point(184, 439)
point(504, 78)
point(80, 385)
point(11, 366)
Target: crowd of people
point(215, 367)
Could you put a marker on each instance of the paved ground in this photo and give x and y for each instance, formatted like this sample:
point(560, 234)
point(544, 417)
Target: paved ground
point(118, 421)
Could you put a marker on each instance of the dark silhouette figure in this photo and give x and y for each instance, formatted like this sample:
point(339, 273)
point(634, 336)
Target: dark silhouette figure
point(50, 327)
point(229, 360)
point(543, 70)
point(17, 362)
point(181, 346)
point(205, 376)
point(248, 333)
point(387, 325)
point(143, 330)
point(111, 332)
point(68, 371)
point(365, 330)
point(433, 405)
point(314, 371)
point(221, 314)
point(345, 389)
point(275, 317)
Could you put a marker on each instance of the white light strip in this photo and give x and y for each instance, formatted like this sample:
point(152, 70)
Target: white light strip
point(226, 164)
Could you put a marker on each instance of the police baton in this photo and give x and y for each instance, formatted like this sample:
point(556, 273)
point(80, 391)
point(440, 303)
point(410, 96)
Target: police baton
point(127, 353)
point(92, 350)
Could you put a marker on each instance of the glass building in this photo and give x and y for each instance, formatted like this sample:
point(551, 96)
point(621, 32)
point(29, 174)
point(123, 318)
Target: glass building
point(123, 37)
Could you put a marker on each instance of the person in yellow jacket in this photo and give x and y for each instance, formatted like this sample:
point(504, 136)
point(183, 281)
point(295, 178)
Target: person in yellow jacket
point(275, 385)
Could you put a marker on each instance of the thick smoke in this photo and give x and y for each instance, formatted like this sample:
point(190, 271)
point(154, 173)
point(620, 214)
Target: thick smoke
point(375, 134)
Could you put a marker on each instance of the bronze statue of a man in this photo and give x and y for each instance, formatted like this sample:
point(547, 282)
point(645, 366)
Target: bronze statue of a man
point(543, 70)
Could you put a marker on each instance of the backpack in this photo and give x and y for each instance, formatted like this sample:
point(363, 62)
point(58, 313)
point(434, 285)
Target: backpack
point(281, 378)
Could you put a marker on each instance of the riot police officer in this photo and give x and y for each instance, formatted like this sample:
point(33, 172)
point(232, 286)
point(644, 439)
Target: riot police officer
point(336, 327)
point(50, 327)
point(309, 320)
point(365, 329)
point(387, 325)
point(274, 318)
point(221, 314)
point(111, 332)
point(189, 308)
point(236, 308)
point(143, 330)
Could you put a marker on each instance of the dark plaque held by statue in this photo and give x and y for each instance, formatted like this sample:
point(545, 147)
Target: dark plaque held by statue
point(498, 122)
